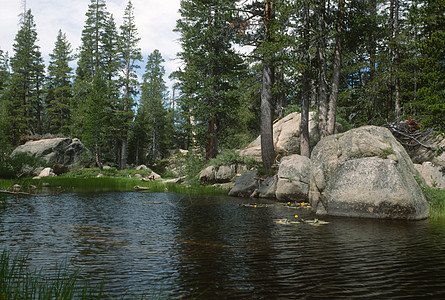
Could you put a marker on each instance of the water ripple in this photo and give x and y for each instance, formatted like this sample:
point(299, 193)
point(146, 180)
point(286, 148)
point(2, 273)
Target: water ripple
point(214, 248)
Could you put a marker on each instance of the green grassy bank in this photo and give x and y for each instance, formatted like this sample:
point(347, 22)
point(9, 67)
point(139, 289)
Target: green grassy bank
point(111, 181)
point(436, 199)
point(85, 180)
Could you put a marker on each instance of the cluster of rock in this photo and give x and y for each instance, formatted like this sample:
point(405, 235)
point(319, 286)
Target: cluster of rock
point(286, 133)
point(364, 172)
point(177, 161)
point(222, 176)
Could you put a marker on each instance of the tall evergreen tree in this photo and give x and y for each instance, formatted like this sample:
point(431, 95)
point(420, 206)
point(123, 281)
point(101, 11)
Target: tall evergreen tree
point(5, 77)
point(5, 73)
point(429, 102)
point(59, 87)
point(153, 112)
point(211, 69)
point(111, 66)
point(131, 55)
point(93, 110)
point(25, 91)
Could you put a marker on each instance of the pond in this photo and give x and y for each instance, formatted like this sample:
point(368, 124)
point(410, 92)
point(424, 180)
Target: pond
point(224, 248)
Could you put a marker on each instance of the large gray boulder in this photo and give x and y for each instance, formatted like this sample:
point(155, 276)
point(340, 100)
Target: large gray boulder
point(221, 174)
point(245, 185)
point(225, 173)
point(268, 187)
point(286, 134)
point(65, 152)
point(207, 175)
point(293, 178)
point(365, 172)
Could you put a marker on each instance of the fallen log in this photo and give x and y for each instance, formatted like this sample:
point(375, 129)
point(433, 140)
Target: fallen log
point(409, 135)
point(138, 188)
point(25, 194)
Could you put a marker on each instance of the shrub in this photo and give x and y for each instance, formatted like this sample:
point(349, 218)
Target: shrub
point(194, 163)
point(20, 165)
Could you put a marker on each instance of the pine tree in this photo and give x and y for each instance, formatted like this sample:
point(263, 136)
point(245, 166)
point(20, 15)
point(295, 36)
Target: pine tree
point(93, 109)
point(25, 91)
point(211, 69)
point(152, 107)
point(430, 98)
point(131, 55)
point(59, 87)
point(91, 56)
point(111, 66)
point(5, 77)
point(5, 73)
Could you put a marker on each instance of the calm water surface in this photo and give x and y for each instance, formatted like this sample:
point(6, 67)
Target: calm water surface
point(217, 248)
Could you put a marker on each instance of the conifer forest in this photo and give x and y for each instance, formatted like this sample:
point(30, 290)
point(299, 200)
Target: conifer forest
point(244, 64)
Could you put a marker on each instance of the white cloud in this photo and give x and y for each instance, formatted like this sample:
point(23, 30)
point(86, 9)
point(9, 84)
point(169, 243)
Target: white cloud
point(155, 21)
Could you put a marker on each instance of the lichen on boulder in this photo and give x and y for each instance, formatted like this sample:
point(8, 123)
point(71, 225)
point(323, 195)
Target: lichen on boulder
point(365, 172)
point(64, 152)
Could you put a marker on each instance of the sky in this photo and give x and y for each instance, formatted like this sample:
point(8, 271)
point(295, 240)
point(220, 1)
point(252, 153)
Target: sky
point(155, 21)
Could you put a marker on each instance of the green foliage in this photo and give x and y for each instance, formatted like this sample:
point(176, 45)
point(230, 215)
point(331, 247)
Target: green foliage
point(436, 199)
point(19, 165)
point(344, 123)
point(5, 75)
point(291, 109)
point(24, 107)
point(211, 71)
point(194, 163)
point(151, 137)
point(111, 172)
point(59, 88)
point(429, 18)
point(230, 157)
point(262, 172)
point(18, 282)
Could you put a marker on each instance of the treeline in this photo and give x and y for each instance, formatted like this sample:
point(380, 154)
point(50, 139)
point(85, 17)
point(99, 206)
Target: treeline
point(368, 62)
point(244, 64)
point(95, 102)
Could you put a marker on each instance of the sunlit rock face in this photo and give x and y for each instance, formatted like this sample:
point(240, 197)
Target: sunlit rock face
point(65, 152)
point(293, 178)
point(365, 172)
point(286, 133)
point(433, 175)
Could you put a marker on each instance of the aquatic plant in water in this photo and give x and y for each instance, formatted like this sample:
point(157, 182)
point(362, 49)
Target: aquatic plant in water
point(17, 281)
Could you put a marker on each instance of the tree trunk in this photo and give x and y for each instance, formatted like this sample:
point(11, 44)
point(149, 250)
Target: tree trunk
point(267, 147)
point(336, 70)
point(98, 157)
point(267, 107)
point(389, 83)
point(123, 162)
point(373, 107)
point(305, 149)
point(398, 108)
point(137, 150)
point(212, 142)
point(322, 81)
point(153, 143)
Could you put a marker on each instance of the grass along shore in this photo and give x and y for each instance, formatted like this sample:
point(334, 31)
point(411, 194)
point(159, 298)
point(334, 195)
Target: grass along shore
point(86, 180)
